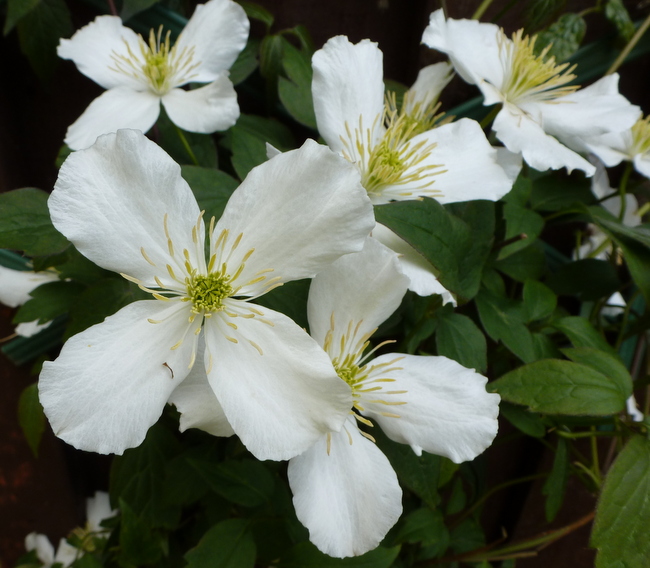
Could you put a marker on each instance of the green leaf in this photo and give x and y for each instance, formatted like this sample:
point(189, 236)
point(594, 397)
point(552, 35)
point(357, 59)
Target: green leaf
point(555, 484)
point(525, 420)
point(170, 138)
point(212, 188)
point(249, 138)
point(526, 264)
point(139, 544)
point(246, 482)
point(31, 417)
point(520, 221)
point(540, 12)
point(555, 192)
point(426, 526)
point(605, 363)
point(620, 530)
point(271, 52)
point(295, 92)
point(551, 386)
point(520, 192)
point(306, 555)
point(589, 279)
point(467, 536)
point(228, 544)
point(616, 12)
point(132, 7)
point(458, 338)
point(615, 228)
point(290, 299)
point(39, 32)
point(257, 12)
point(25, 223)
point(16, 10)
point(245, 63)
point(637, 258)
point(565, 36)
point(48, 301)
point(539, 301)
point(582, 334)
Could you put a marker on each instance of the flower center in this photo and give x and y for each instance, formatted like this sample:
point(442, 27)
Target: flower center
point(208, 292)
point(158, 64)
point(529, 76)
point(641, 136)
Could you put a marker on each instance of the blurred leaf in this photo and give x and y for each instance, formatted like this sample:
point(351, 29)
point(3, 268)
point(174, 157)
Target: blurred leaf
point(228, 544)
point(295, 91)
point(271, 53)
point(526, 264)
point(551, 386)
point(426, 526)
point(25, 223)
point(588, 279)
point(467, 536)
point(31, 417)
point(139, 544)
point(201, 145)
point(246, 482)
point(605, 363)
point(520, 192)
point(539, 301)
point(540, 12)
point(458, 338)
point(525, 420)
point(257, 12)
point(582, 334)
point(16, 10)
point(75, 266)
point(637, 258)
point(564, 36)
point(620, 530)
point(212, 188)
point(520, 221)
point(306, 555)
point(245, 63)
point(132, 7)
point(614, 227)
point(457, 499)
point(39, 32)
point(48, 301)
point(616, 12)
point(555, 484)
point(555, 192)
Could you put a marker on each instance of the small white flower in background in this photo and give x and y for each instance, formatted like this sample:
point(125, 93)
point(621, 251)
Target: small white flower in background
point(98, 509)
point(141, 75)
point(15, 287)
point(540, 106)
point(124, 205)
point(345, 490)
point(406, 153)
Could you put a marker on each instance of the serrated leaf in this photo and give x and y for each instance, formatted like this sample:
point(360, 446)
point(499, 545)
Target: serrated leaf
point(555, 484)
point(31, 417)
point(25, 223)
point(551, 386)
point(623, 512)
point(306, 555)
point(564, 36)
point(539, 300)
point(458, 338)
point(228, 544)
point(605, 363)
point(616, 12)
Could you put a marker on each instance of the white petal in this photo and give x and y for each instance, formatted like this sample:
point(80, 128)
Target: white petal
point(642, 164)
point(15, 285)
point(611, 148)
point(31, 328)
point(281, 401)
point(217, 32)
point(111, 199)
point(347, 88)
point(205, 110)
point(299, 211)
point(111, 382)
point(98, 508)
point(42, 545)
point(96, 47)
point(447, 412)
point(121, 107)
point(520, 133)
point(633, 409)
point(468, 165)
point(197, 403)
point(418, 270)
point(472, 47)
point(362, 288)
point(66, 554)
point(348, 499)
point(430, 82)
point(511, 163)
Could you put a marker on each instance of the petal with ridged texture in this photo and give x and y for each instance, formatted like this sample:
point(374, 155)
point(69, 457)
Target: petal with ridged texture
point(348, 499)
point(111, 382)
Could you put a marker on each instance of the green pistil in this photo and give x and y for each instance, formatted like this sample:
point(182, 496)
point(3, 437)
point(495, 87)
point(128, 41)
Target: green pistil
point(208, 292)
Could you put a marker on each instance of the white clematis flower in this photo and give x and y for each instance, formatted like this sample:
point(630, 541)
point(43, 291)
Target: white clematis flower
point(540, 107)
point(15, 289)
point(124, 205)
point(345, 490)
point(405, 153)
point(141, 75)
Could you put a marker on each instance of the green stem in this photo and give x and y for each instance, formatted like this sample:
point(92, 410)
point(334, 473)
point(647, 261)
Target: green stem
point(595, 460)
point(187, 147)
point(626, 317)
point(630, 46)
point(481, 9)
point(573, 435)
point(622, 189)
point(490, 116)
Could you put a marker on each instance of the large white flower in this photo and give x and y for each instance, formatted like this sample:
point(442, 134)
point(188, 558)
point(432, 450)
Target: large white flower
point(539, 104)
point(124, 205)
point(15, 287)
point(345, 490)
point(405, 153)
point(140, 75)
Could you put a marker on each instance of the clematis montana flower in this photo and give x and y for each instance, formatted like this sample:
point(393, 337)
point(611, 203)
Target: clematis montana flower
point(15, 287)
point(345, 490)
point(405, 153)
point(124, 205)
point(140, 75)
point(539, 105)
